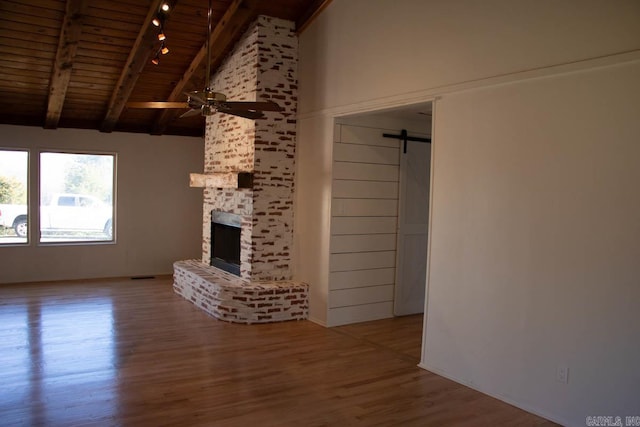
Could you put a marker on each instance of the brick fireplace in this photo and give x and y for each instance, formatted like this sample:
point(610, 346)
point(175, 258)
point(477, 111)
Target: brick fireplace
point(261, 67)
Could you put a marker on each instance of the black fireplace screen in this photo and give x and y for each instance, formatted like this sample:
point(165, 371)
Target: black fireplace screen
point(225, 242)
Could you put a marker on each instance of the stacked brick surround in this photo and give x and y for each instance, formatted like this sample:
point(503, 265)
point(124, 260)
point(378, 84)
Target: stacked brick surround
point(263, 66)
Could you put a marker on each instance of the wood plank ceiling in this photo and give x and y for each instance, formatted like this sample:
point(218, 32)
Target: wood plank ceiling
point(76, 63)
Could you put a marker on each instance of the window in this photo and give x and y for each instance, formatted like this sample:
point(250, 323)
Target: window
point(76, 197)
point(14, 167)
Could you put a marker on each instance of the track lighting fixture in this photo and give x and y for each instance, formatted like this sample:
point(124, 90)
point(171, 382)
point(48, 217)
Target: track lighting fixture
point(158, 21)
point(207, 102)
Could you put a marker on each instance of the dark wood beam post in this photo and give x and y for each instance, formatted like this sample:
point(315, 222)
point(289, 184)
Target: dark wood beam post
point(67, 48)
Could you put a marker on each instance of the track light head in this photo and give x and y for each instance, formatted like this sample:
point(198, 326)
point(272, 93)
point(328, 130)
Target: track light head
point(165, 7)
point(155, 60)
point(156, 21)
point(164, 50)
point(161, 36)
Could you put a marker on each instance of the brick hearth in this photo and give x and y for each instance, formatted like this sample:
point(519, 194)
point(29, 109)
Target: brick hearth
point(228, 297)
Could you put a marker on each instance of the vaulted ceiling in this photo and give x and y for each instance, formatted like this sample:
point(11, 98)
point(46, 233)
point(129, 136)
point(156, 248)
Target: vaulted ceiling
point(76, 63)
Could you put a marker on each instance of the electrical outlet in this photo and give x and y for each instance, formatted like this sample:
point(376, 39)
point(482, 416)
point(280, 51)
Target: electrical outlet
point(562, 374)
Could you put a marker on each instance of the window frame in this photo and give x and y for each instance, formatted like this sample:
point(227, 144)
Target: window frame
point(29, 153)
point(37, 208)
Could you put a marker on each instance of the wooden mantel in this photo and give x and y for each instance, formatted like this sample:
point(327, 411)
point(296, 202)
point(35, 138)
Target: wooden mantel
point(221, 180)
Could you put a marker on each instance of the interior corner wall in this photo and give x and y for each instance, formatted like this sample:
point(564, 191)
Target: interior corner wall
point(312, 219)
point(534, 231)
point(158, 217)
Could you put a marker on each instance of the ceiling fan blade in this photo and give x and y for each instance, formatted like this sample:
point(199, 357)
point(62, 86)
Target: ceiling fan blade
point(190, 113)
point(252, 106)
point(248, 114)
point(157, 105)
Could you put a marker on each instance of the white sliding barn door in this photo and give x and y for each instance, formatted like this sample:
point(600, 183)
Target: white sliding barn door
point(413, 217)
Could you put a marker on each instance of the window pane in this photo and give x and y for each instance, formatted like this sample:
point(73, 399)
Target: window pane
point(13, 196)
point(76, 197)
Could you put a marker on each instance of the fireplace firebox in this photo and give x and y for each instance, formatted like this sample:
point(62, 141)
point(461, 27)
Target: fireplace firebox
point(225, 241)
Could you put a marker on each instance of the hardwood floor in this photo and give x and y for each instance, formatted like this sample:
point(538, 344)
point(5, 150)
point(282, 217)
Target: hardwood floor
point(132, 353)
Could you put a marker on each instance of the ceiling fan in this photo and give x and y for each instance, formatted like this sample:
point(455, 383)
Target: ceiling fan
point(208, 102)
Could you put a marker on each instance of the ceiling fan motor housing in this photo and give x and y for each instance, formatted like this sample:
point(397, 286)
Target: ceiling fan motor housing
point(215, 96)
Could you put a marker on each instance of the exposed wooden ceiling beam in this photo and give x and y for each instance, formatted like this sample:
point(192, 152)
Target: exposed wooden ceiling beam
point(65, 55)
point(142, 49)
point(235, 19)
point(157, 104)
point(314, 9)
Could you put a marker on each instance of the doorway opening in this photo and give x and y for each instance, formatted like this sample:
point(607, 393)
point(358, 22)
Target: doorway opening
point(380, 211)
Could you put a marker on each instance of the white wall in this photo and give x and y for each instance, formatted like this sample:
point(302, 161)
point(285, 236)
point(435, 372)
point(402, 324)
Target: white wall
point(534, 230)
point(536, 241)
point(158, 216)
point(362, 50)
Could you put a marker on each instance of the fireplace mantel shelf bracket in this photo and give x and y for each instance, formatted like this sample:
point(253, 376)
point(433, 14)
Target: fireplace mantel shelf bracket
point(221, 180)
point(404, 137)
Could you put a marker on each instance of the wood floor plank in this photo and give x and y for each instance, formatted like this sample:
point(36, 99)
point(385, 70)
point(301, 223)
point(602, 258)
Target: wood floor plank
point(131, 352)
